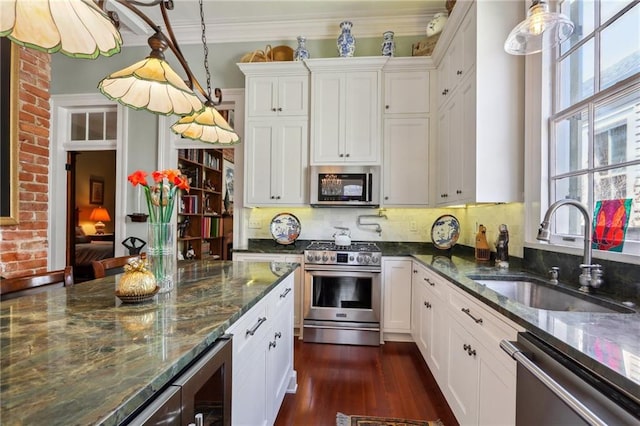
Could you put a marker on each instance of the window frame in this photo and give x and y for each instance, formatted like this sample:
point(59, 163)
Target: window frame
point(589, 104)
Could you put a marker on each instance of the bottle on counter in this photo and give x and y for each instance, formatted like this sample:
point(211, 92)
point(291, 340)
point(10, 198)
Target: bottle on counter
point(483, 252)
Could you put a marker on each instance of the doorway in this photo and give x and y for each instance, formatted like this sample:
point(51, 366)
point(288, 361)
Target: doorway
point(92, 203)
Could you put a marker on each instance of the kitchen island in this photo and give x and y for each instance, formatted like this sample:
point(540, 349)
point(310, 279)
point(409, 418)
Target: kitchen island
point(77, 355)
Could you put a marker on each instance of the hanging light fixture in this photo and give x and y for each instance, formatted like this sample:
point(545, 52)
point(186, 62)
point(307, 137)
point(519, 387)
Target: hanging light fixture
point(151, 84)
point(76, 28)
point(541, 30)
point(206, 125)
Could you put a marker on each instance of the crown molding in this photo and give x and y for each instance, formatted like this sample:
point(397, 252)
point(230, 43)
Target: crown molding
point(312, 28)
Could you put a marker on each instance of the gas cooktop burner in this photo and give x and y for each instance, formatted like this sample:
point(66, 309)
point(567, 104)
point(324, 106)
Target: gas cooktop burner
point(357, 254)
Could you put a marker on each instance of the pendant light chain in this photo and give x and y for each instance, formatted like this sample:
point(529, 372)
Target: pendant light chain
point(206, 50)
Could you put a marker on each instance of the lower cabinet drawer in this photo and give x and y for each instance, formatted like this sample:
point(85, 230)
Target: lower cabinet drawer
point(252, 327)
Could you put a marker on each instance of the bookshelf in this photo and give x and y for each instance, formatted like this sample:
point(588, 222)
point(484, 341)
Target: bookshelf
point(203, 225)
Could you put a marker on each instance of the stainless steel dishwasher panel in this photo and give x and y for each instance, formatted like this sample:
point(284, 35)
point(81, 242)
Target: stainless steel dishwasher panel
point(552, 389)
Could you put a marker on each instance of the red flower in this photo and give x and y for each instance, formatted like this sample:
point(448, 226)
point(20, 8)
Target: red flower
point(158, 175)
point(138, 177)
point(182, 182)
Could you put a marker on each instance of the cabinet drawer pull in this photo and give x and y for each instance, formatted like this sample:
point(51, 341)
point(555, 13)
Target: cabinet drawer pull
point(431, 283)
point(283, 295)
point(255, 327)
point(272, 344)
point(428, 305)
point(277, 335)
point(466, 347)
point(279, 109)
point(468, 312)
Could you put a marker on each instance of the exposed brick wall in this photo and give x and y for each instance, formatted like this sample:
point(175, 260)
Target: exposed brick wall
point(23, 247)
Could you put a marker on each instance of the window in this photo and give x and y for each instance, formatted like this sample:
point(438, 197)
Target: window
point(595, 127)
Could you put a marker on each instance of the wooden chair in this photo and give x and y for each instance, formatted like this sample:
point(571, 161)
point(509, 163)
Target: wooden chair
point(110, 266)
point(31, 284)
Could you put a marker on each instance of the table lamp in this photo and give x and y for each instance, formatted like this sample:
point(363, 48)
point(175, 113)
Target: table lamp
point(100, 214)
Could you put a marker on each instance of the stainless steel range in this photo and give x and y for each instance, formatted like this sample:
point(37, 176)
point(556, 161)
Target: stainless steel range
point(342, 293)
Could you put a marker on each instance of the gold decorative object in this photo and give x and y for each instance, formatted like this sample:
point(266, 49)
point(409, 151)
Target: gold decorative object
point(136, 281)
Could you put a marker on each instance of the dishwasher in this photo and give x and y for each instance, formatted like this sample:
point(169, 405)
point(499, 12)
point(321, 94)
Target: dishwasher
point(553, 389)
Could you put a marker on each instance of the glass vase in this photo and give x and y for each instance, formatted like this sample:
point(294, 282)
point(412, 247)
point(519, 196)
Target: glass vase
point(161, 255)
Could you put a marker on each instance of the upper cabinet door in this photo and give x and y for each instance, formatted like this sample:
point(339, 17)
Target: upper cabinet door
point(406, 92)
point(278, 96)
point(362, 118)
point(293, 96)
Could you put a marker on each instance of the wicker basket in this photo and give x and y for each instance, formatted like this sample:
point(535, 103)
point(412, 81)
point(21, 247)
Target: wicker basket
point(258, 56)
point(269, 54)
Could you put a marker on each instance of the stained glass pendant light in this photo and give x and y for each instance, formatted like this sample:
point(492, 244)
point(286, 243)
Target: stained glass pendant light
point(541, 30)
point(151, 84)
point(207, 125)
point(76, 28)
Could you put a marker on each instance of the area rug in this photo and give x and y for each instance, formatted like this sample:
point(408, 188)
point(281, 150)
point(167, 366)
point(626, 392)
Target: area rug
point(345, 420)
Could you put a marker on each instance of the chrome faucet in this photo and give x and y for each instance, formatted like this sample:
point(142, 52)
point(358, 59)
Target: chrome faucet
point(591, 276)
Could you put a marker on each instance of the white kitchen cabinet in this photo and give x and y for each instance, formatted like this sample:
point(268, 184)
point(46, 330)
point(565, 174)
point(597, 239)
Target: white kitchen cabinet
point(276, 133)
point(396, 279)
point(451, 157)
point(298, 276)
point(280, 348)
point(276, 162)
point(458, 60)
point(263, 357)
point(345, 110)
point(480, 384)
point(481, 126)
point(430, 316)
point(276, 89)
point(406, 162)
point(406, 128)
point(406, 85)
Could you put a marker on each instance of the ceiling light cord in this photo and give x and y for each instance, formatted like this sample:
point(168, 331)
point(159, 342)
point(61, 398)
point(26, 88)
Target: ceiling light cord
point(218, 92)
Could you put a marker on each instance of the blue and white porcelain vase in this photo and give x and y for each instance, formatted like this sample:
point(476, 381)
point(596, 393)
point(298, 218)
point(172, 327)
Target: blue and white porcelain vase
point(301, 51)
point(346, 42)
point(388, 45)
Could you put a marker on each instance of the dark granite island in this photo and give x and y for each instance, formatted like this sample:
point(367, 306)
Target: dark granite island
point(78, 356)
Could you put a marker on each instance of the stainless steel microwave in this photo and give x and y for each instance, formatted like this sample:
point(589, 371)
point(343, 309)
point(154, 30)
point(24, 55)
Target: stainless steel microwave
point(345, 186)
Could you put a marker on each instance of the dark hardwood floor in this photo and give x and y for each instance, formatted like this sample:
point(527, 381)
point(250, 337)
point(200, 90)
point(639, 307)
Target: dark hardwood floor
point(391, 380)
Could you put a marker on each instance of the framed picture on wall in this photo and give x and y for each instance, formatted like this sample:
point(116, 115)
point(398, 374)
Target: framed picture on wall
point(8, 132)
point(96, 190)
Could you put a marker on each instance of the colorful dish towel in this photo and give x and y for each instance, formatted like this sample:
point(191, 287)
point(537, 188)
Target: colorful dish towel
point(610, 220)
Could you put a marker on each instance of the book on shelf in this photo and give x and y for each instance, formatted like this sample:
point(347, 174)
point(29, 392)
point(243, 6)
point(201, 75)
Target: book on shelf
point(189, 204)
point(210, 161)
point(211, 226)
point(188, 154)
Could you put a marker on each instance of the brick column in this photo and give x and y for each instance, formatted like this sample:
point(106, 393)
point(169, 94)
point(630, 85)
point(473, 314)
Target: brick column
point(23, 247)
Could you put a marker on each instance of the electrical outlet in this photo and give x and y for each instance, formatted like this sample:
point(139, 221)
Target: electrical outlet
point(413, 227)
point(255, 224)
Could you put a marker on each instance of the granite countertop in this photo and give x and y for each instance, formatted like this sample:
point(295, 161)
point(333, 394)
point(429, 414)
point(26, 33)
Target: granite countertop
point(77, 355)
point(606, 343)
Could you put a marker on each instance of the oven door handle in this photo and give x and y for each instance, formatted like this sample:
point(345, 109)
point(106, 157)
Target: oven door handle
point(331, 327)
point(516, 353)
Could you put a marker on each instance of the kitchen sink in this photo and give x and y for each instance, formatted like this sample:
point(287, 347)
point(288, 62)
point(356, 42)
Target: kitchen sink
point(538, 294)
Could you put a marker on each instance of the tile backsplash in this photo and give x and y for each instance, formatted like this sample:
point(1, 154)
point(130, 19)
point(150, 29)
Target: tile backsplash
point(400, 224)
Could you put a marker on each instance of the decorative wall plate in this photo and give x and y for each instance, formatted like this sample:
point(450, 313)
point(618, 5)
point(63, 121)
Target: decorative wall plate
point(445, 232)
point(285, 228)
